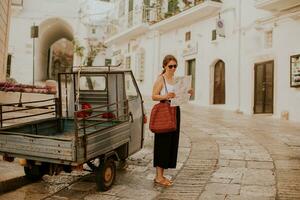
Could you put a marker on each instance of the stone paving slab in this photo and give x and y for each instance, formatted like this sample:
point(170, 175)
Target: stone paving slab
point(10, 170)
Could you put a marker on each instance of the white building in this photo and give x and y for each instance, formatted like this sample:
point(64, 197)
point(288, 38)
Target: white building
point(245, 66)
point(4, 21)
point(242, 54)
point(55, 20)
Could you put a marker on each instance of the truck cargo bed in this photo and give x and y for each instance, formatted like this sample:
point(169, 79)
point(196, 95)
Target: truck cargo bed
point(54, 140)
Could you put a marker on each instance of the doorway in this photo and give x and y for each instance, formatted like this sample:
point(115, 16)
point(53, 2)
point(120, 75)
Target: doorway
point(190, 70)
point(263, 87)
point(219, 83)
point(51, 31)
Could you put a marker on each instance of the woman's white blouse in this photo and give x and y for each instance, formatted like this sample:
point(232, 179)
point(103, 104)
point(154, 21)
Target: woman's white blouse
point(170, 88)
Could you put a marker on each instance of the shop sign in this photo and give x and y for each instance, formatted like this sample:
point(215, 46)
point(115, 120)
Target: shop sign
point(190, 49)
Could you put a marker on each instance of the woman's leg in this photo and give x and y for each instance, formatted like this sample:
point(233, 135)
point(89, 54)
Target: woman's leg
point(160, 179)
point(159, 174)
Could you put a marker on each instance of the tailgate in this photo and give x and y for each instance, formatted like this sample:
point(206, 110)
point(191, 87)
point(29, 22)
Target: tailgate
point(35, 147)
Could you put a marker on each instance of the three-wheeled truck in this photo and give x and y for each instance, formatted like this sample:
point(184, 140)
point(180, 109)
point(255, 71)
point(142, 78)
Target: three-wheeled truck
point(98, 115)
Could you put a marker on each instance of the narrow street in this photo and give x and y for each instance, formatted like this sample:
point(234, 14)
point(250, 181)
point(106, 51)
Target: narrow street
point(222, 155)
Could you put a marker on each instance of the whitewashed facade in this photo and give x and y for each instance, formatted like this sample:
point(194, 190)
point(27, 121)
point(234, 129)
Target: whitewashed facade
point(259, 34)
point(4, 29)
point(56, 19)
point(244, 66)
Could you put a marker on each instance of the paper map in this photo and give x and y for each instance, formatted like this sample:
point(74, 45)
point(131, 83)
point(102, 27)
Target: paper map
point(181, 88)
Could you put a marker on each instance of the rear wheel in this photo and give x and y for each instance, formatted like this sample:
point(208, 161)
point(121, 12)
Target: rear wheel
point(36, 172)
point(105, 174)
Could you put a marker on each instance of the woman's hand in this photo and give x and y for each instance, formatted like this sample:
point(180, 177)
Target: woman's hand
point(170, 95)
point(191, 92)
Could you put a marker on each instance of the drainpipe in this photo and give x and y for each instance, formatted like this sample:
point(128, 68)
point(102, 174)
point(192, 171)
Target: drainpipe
point(239, 54)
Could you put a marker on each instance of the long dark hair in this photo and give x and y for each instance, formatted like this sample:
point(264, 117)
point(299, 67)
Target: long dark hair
point(166, 60)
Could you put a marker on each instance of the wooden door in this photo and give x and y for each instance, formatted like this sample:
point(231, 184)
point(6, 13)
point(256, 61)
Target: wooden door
point(263, 94)
point(219, 83)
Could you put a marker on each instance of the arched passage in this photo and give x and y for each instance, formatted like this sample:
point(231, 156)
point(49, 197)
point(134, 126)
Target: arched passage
point(50, 31)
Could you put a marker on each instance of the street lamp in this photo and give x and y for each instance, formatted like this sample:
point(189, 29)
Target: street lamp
point(34, 34)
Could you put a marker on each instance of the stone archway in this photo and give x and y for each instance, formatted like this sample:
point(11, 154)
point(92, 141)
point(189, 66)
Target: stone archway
point(50, 31)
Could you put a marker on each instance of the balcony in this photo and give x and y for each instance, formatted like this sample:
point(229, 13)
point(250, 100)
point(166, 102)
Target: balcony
point(131, 25)
point(276, 5)
point(189, 14)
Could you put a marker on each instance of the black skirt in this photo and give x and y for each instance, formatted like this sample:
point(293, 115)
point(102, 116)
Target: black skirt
point(166, 147)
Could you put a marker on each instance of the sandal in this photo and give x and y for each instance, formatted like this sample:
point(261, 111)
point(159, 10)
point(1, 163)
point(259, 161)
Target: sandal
point(163, 182)
point(169, 180)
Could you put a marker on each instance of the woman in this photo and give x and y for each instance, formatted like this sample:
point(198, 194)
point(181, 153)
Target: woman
point(166, 144)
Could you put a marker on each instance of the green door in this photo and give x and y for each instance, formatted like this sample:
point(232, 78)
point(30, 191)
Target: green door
point(191, 71)
point(263, 94)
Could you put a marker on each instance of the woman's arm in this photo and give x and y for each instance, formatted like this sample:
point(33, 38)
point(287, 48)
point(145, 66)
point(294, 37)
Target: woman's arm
point(191, 91)
point(158, 85)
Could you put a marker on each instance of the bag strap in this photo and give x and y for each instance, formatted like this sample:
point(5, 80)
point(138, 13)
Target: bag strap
point(165, 84)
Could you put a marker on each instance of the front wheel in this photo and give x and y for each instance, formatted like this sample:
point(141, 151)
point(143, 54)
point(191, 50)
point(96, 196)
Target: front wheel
point(105, 175)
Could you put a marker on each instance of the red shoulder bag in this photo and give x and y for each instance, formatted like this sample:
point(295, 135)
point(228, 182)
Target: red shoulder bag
point(163, 117)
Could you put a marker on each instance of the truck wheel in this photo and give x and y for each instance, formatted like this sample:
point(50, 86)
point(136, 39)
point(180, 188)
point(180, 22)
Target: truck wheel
point(36, 172)
point(33, 172)
point(105, 175)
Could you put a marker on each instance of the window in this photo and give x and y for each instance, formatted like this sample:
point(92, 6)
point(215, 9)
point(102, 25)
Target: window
point(128, 62)
point(8, 66)
point(107, 62)
point(214, 35)
point(130, 88)
point(146, 11)
point(147, 2)
point(140, 65)
point(130, 14)
point(92, 83)
point(190, 70)
point(121, 8)
point(130, 7)
point(188, 36)
point(268, 39)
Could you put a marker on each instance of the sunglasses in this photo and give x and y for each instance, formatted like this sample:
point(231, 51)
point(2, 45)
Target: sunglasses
point(172, 66)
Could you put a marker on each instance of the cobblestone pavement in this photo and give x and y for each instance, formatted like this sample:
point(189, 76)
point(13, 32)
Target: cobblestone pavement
point(222, 155)
point(258, 156)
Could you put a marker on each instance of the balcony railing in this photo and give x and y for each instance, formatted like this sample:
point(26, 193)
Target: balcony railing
point(177, 9)
point(132, 19)
point(186, 14)
point(137, 21)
